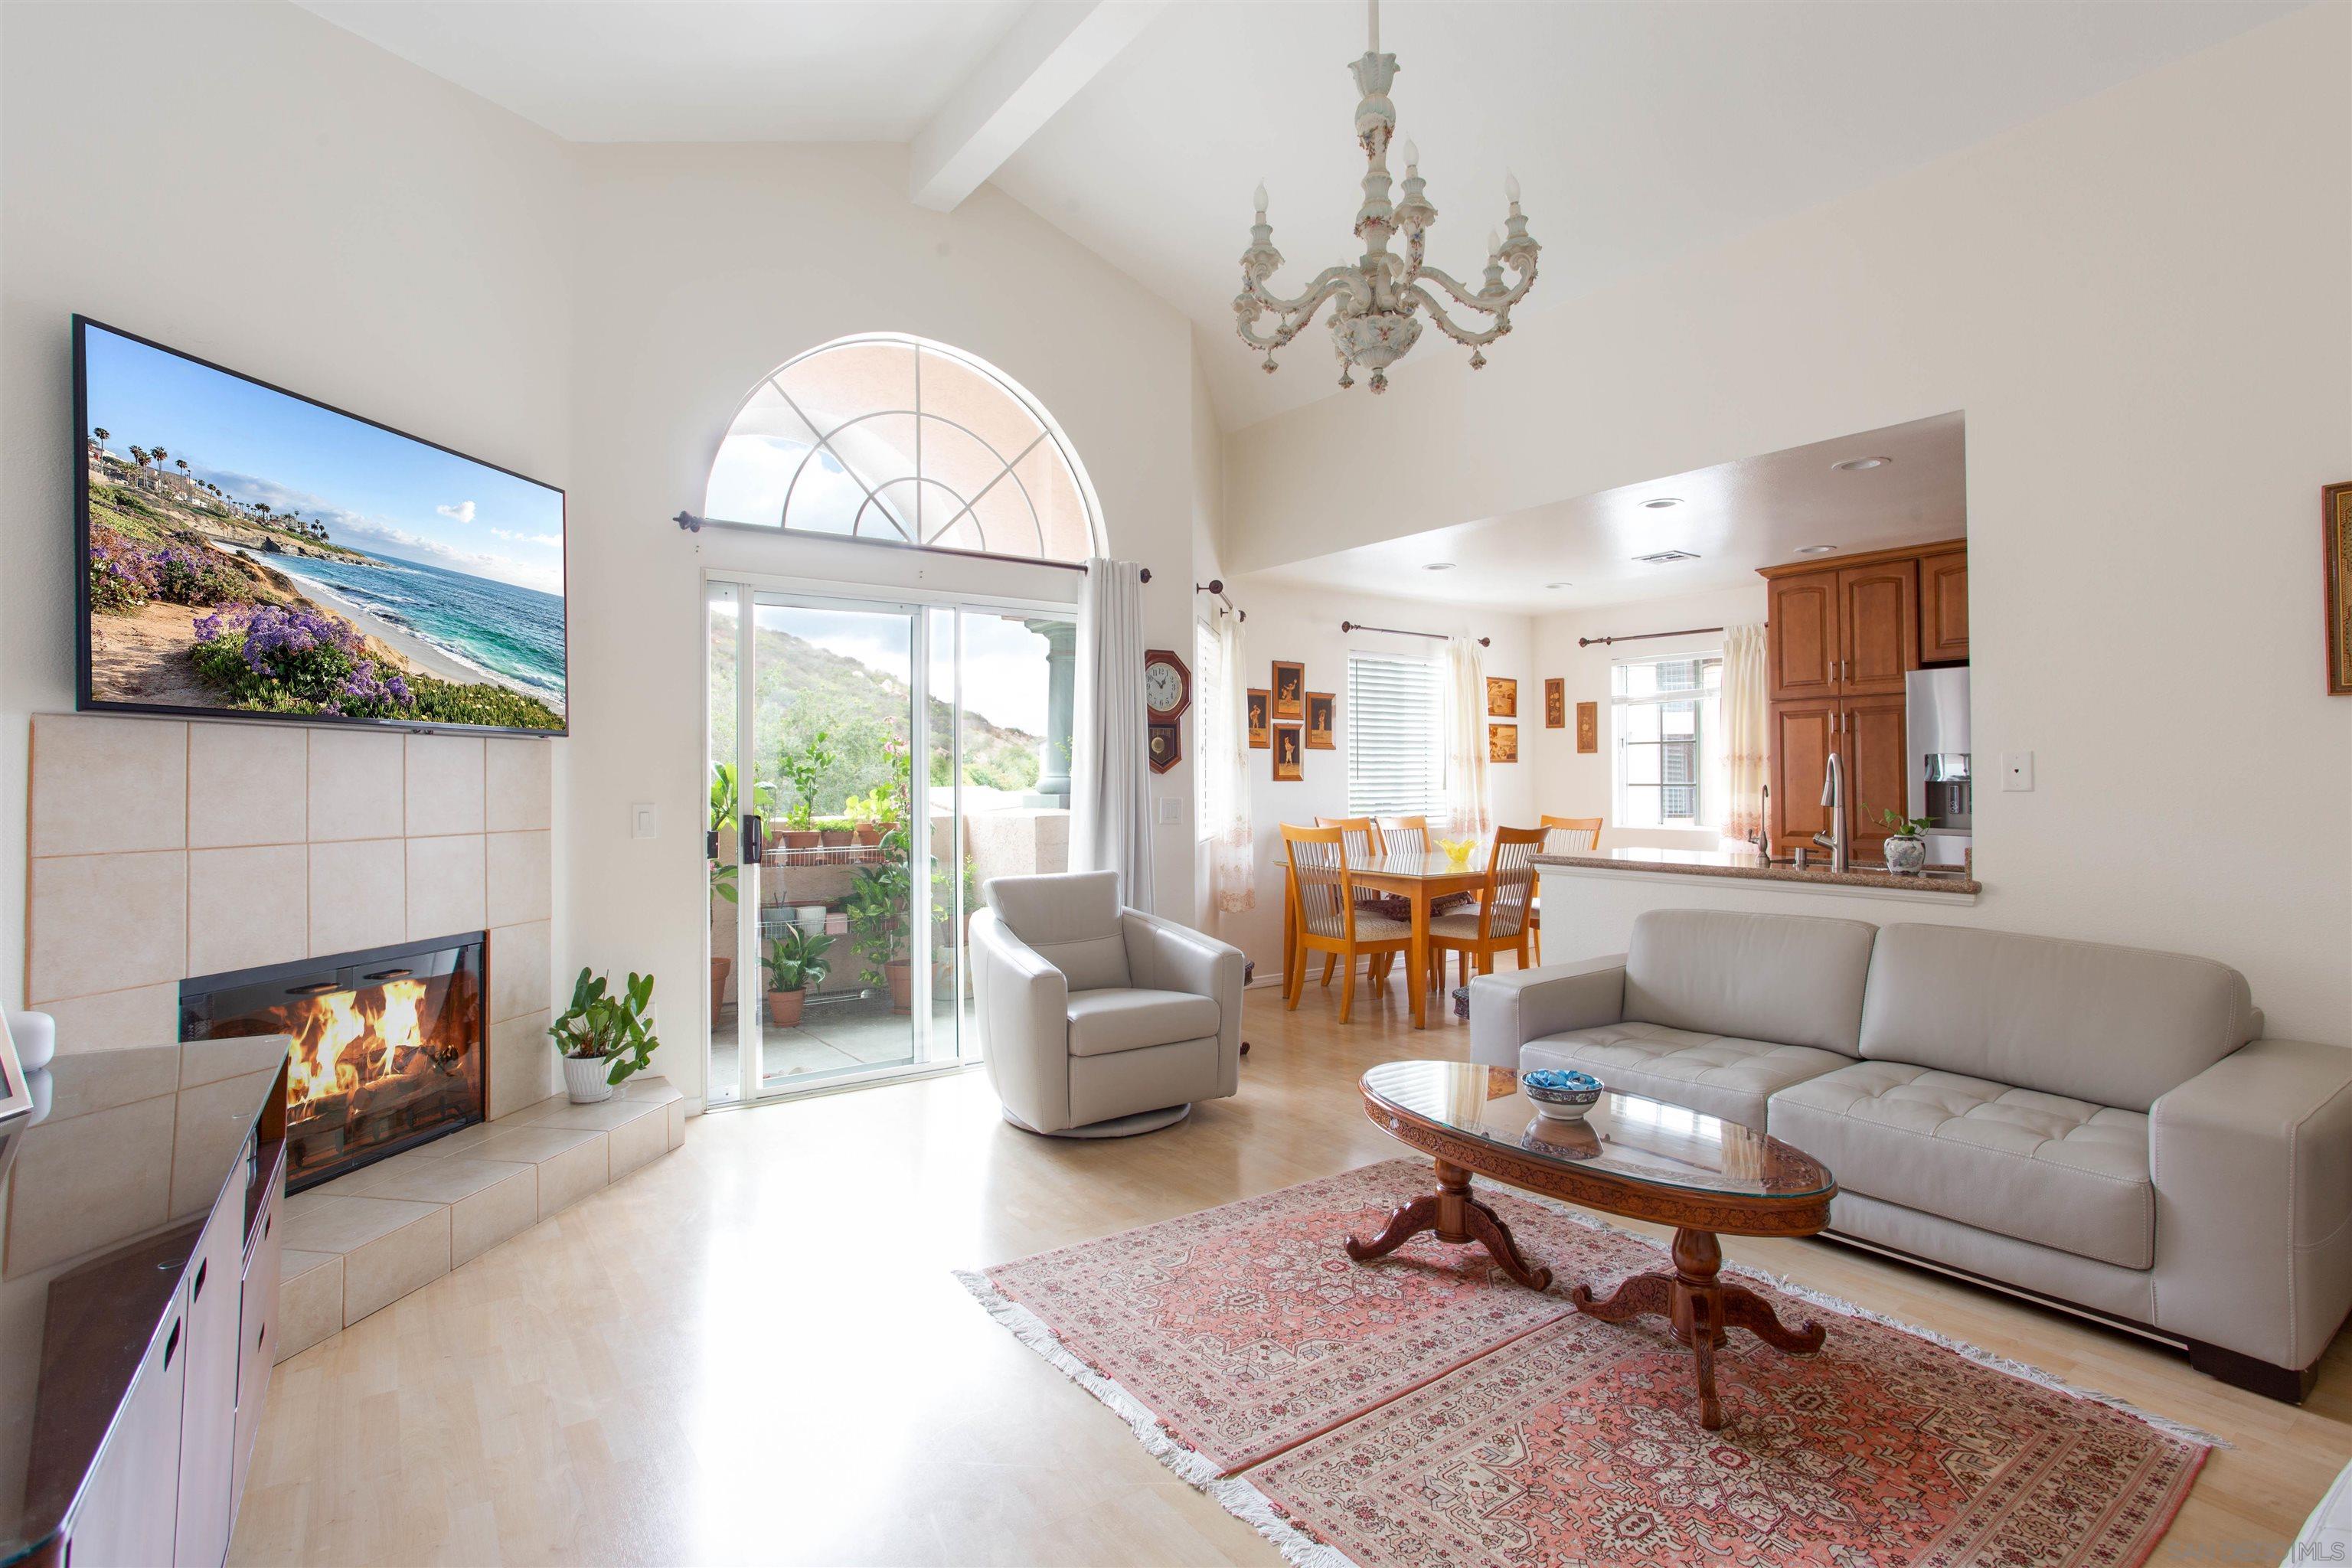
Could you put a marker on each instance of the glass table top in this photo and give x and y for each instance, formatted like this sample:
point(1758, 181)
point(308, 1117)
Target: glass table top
point(1623, 1136)
point(1421, 864)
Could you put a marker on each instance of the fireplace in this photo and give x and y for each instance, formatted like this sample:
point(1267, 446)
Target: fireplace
point(390, 1045)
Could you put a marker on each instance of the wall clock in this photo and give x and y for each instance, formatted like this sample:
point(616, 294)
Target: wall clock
point(1166, 692)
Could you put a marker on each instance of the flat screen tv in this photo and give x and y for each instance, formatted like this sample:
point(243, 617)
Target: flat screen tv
point(248, 553)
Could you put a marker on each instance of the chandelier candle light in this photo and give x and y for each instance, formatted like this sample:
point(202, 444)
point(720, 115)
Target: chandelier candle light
point(1375, 321)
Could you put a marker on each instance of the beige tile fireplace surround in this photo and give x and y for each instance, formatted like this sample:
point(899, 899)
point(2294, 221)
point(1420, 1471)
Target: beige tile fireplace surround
point(165, 848)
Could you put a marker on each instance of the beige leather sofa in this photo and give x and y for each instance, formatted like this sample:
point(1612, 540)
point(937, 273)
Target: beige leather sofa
point(2104, 1126)
point(1099, 1021)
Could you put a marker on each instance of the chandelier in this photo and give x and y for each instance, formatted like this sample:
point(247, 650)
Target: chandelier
point(1376, 318)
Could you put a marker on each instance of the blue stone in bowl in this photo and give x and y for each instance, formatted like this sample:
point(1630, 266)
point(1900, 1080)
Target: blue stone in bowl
point(1561, 1095)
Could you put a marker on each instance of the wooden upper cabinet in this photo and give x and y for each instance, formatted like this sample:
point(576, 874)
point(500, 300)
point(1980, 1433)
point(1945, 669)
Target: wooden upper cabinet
point(1878, 640)
point(1873, 744)
point(1944, 608)
point(1800, 628)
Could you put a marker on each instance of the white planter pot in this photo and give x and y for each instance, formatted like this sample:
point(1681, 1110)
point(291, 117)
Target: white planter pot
point(584, 1079)
point(1905, 855)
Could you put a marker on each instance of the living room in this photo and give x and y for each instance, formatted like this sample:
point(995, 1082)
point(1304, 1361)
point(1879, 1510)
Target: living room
point(2097, 251)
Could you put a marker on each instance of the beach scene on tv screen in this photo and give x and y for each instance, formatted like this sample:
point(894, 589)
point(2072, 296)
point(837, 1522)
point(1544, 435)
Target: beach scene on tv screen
point(252, 552)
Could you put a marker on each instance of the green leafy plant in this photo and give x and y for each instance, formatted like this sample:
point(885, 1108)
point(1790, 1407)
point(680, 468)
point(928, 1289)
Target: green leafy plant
point(874, 806)
point(796, 961)
point(1901, 827)
point(802, 766)
point(608, 1026)
point(879, 919)
point(725, 802)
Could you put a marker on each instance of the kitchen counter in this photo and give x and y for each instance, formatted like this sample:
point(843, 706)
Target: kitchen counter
point(1935, 885)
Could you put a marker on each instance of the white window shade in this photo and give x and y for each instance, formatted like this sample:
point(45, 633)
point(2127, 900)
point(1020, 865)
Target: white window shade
point(1395, 766)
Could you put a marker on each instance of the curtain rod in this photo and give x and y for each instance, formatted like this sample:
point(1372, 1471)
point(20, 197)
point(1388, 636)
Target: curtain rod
point(693, 524)
point(1217, 585)
point(1645, 637)
point(1400, 632)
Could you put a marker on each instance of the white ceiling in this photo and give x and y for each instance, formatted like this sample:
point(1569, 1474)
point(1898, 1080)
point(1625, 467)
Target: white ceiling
point(1640, 130)
point(1735, 517)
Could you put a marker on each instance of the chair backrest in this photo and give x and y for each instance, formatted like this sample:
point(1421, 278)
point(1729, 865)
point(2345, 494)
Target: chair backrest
point(1071, 919)
point(1570, 835)
point(1362, 835)
point(1406, 835)
point(1321, 888)
point(1510, 881)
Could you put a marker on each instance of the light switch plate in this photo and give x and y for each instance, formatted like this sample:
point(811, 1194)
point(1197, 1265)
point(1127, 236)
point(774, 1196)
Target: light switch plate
point(2017, 770)
point(642, 820)
point(1172, 809)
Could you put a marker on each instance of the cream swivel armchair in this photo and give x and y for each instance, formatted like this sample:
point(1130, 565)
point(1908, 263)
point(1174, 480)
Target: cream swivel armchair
point(1099, 1021)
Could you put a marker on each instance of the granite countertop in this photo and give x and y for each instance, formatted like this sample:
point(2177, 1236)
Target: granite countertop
point(106, 1192)
point(1746, 865)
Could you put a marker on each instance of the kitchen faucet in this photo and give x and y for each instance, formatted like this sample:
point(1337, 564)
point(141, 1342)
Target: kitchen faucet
point(1833, 797)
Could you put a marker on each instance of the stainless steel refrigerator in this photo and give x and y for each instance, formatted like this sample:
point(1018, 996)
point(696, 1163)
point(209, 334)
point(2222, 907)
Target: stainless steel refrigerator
point(1937, 772)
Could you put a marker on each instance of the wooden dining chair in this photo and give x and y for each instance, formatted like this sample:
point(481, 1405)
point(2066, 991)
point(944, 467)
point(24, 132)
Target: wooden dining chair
point(1362, 835)
point(1323, 903)
point(1500, 923)
point(1406, 835)
point(1562, 836)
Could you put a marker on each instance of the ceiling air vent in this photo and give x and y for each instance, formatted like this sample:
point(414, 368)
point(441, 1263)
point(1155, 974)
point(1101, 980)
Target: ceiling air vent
point(1664, 556)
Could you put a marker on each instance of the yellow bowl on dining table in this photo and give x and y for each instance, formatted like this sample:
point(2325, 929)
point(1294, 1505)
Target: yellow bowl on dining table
point(1458, 851)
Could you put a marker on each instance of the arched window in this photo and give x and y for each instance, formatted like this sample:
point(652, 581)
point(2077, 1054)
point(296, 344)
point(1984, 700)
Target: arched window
point(900, 439)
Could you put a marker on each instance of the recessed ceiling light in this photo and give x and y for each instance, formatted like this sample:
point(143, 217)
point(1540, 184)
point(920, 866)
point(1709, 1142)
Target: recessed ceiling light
point(1660, 503)
point(1559, 584)
point(1815, 549)
point(1439, 566)
point(1664, 556)
point(1856, 465)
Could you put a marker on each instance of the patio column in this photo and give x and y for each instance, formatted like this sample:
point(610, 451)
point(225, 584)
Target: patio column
point(1061, 698)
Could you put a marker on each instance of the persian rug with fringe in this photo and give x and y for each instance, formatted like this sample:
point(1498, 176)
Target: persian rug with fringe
point(1424, 1411)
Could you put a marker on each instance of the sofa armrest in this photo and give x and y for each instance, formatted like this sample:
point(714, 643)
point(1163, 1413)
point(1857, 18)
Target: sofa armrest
point(1162, 955)
point(2253, 1165)
point(1023, 1004)
point(1506, 1011)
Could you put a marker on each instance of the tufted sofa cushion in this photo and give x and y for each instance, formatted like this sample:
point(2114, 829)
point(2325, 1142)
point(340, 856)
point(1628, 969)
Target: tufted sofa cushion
point(1721, 1075)
point(1794, 979)
point(2039, 1167)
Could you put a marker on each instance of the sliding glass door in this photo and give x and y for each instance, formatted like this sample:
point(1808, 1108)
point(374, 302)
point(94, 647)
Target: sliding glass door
point(870, 763)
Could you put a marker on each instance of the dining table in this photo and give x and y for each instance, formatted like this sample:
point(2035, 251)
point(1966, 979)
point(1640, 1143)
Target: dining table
point(1421, 877)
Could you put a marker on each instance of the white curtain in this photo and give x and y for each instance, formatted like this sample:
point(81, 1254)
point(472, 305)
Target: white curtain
point(1745, 738)
point(1111, 815)
point(1465, 688)
point(1224, 762)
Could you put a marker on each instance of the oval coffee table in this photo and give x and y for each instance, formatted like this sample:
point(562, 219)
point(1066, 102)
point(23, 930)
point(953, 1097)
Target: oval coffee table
point(1641, 1158)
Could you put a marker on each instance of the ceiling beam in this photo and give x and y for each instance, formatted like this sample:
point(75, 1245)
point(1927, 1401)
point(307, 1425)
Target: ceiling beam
point(1049, 55)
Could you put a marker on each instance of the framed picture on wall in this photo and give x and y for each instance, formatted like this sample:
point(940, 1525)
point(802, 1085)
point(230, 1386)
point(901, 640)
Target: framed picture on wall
point(1289, 692)
point(1556, 704)
point(1502, 742)
point(1502, 696)
point(1261, 734)
point(1588, 726)
point(1289, 754)
point(2337, 509)
point(1320, 706)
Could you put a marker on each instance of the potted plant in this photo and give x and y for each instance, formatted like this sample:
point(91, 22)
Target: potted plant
point(1907, 850)
point(835, 834)
point(879, 921)
point(801, 767)
point(725, 801)
point(795, 963)
point(604, 1034)
point(865, 810)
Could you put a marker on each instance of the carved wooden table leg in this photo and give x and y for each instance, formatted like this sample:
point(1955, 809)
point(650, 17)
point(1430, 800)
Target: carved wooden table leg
point(1458, 1219)
point(1700, 1308)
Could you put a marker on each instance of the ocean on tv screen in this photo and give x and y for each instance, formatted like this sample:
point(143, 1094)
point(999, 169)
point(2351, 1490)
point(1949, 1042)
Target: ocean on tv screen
point(252, 552)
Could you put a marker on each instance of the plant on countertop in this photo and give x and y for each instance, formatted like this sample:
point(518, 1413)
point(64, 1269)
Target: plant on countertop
point(608, 1026)
point(1901, 827)
point(796, 961)
point(802, 767)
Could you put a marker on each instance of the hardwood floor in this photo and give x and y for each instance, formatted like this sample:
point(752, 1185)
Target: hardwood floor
point(752, 1349)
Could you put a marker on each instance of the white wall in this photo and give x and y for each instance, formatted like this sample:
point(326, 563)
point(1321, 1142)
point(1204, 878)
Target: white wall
point(1581, 785)
point(702, 268)
point(2141, 304)
point(1290, 622)
point(258, 187)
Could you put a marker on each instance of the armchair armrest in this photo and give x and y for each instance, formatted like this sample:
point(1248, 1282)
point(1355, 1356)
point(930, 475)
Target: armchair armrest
point(1506, 1011)
point(1164, 956)
point(2253, 1165)
point(1023, 1002)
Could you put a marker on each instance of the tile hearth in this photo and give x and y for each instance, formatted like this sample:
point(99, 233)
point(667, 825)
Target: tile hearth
point(361, 1242)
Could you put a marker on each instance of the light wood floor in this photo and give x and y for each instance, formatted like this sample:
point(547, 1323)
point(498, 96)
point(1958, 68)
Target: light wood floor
point(752, 1351)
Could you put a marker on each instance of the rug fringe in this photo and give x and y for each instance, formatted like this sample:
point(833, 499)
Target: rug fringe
point(2023, 1371)
point(1232, 1493)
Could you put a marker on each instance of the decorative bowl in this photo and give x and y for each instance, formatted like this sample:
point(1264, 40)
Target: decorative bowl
point(1561, 1096)
point(1458, 851)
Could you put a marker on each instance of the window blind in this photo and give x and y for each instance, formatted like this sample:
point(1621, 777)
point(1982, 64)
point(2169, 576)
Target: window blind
point(1392, 737)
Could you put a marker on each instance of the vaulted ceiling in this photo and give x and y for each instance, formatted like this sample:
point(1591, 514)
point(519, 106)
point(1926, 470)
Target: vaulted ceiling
point(1640, 131)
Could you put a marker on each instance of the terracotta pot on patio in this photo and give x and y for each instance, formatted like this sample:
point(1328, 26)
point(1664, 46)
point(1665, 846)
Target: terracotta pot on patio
point(837, 837)
point(799, 841)
point(784, 1007)
point(901, 973)
point(719, 969)
point(868, 833)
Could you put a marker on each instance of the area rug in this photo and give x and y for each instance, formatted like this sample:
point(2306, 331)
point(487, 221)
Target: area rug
point(1423, 1411)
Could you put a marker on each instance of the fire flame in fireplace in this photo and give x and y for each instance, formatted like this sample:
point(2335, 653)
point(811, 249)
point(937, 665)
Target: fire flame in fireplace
point(348, 1036)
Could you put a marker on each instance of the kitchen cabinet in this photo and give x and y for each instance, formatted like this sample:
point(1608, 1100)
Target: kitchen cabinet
point(1878, 611)
point(129, 1514)
point(1800, 637)
point(1944, 607)
point(1801, 737)
point(1871, 747)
